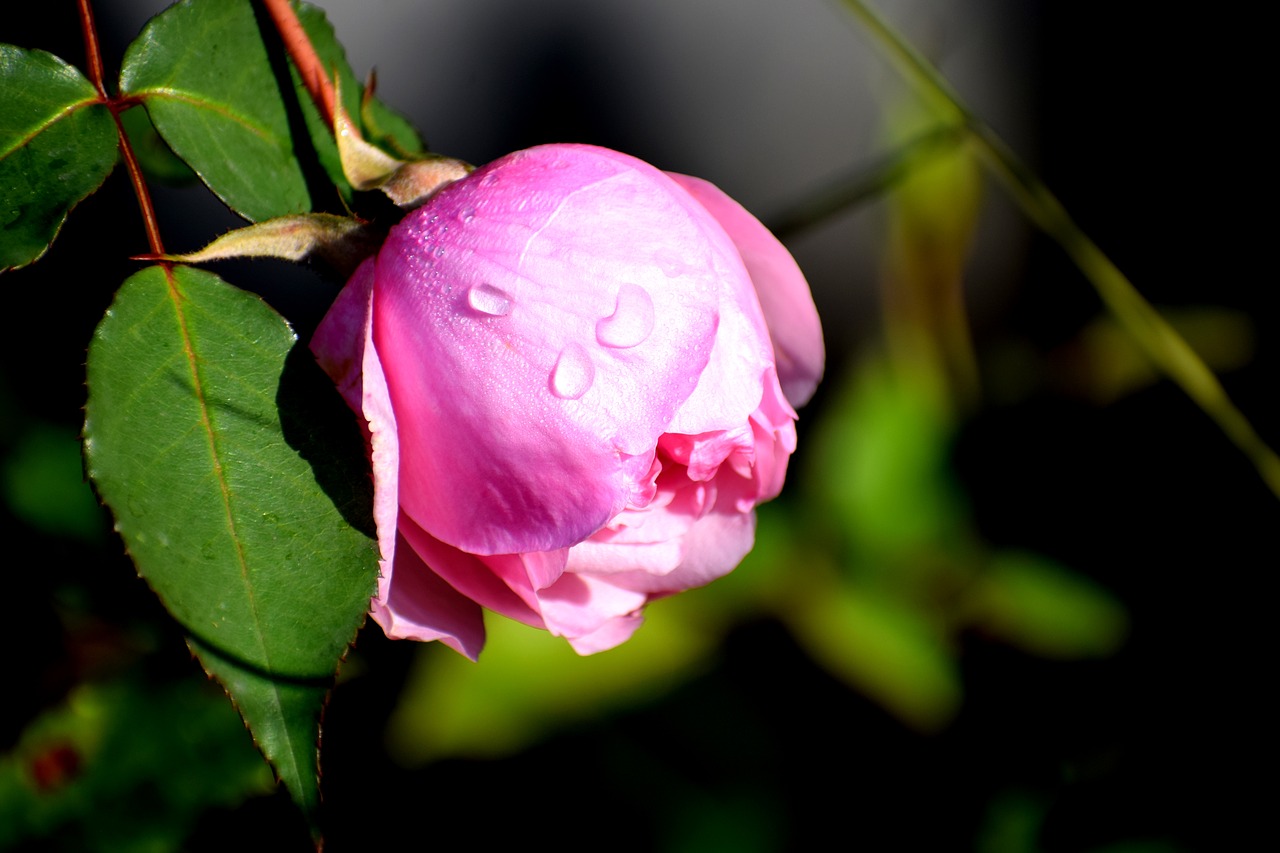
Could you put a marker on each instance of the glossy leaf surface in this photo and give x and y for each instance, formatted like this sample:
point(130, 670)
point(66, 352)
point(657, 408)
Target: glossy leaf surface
point(57, 145)
point(203, 72)
point(236, 478)
point(218, 96)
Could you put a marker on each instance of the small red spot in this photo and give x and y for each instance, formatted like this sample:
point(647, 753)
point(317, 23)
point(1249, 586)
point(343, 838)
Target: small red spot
point(55, 766)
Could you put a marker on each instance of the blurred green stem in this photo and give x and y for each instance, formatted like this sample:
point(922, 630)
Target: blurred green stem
point(1164, 346)
point(867, 182)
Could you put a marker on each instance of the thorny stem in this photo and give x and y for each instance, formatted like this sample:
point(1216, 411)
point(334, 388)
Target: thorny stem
point(304, 56)
point(1162, 344)
point(93, 58)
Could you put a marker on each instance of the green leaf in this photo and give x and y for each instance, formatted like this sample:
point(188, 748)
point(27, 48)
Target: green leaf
point(340, 242)
point(154, 156)
point(531, 683)
point(57, 145)
point(385, 127)
point(378, 123)
point(887, 650)
point(1046, 608)
point(126, 766)
point(885, 478)
point(238, 480)
point(202, 71)
point(326, 45)
point(42, 481)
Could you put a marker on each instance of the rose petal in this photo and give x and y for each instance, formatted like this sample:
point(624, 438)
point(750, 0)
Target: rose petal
point(580, 605)
point(471, 575)
point(343, 347)
point(522, 427)
point(339, 340)
point(563, 428)
point(713, 545)
point(784, 294)
point(421, 606)
point(612, 633)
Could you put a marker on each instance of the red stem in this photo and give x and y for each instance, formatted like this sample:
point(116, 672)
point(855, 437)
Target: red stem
point(149, 220)
point(304, 57)
point(93, 58)
point(93, 54)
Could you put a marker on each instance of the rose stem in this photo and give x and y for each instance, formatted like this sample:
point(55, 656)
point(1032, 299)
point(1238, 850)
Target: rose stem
point(93, 57)
point(303, 55)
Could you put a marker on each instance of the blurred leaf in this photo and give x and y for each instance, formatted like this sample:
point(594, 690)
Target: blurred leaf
point(530, 682)
point(154, 156)
point(933, 216)
point(237, 479)
point(202, 71)
point(744, 821)
point(885, 649)
point(1012, 824)
point(1105, 363)
point(939, 200)
point(126, 766)
point(57, 145)
point(43, 483)
point(882, 448)
point(1034, 603)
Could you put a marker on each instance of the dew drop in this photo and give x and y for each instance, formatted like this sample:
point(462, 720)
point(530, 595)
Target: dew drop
point(670, 264)
point(467, 214)
point(573, 373)
point(631, 322)
point(490, 300)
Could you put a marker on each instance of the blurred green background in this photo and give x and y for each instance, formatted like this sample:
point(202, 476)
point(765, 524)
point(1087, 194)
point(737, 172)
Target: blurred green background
point(1011, 599)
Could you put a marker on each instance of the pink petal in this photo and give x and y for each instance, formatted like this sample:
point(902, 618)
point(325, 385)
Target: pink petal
point(418, 605)
point(729, 388)
point(339, 340)
point(784, 294)
point(421, 606)
point(471, 575)
point(713, 546)
point(529, 397)
point(580, 605)
point(612, 633)
point(704, 453)
point(605, 557)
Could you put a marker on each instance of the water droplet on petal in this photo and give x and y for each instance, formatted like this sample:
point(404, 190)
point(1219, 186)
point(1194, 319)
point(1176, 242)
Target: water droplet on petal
point(573, 373)
point(467, 214)
point(490, 300)
point(631, 321)
point(670, 264)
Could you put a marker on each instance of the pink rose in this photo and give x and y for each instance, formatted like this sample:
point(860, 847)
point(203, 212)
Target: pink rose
point(571, 393)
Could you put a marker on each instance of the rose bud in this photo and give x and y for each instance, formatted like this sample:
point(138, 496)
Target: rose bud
point(572, 396)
